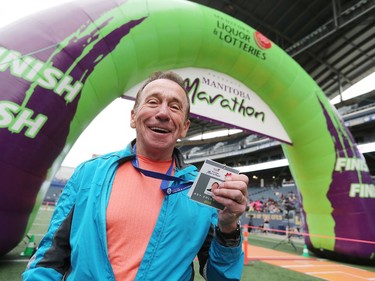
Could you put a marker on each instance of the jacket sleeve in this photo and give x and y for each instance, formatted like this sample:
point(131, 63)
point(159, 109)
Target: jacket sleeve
point(218, 262)
point(225, 263)
point(52, 259)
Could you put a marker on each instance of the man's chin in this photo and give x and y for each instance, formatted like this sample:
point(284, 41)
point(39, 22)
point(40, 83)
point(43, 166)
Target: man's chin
point(159, 142)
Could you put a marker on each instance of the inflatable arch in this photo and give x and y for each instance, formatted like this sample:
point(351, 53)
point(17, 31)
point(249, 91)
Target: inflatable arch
point(61, 67)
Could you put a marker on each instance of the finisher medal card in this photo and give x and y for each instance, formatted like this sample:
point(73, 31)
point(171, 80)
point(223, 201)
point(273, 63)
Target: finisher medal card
point(210, 175)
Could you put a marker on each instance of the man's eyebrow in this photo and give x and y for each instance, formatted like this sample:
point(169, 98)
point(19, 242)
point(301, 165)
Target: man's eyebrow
point(173, 99)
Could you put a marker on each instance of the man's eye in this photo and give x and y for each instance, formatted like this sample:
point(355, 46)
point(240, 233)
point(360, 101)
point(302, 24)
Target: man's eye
point(175, 106)
point(153, 101)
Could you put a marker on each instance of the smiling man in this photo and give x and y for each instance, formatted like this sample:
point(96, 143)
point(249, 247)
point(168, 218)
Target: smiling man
point(160, 117)
point(127, 216)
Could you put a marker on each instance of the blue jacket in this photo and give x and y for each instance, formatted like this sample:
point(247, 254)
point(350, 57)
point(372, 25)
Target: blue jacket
point(75, 245)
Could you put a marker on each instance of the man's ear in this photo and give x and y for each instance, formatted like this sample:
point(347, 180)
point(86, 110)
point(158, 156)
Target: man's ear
point(132, 119)
point(185, 129)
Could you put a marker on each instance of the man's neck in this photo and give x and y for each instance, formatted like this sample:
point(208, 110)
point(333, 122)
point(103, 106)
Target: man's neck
point(154, 154)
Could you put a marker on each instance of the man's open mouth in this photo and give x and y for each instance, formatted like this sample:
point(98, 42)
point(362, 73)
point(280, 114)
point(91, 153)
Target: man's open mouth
point(160, 130)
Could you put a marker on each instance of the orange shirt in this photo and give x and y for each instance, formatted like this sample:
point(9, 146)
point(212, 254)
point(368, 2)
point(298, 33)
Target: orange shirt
point(132, 212)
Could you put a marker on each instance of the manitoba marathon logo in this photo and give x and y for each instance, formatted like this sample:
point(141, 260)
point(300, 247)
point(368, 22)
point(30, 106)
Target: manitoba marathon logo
point(262, 41)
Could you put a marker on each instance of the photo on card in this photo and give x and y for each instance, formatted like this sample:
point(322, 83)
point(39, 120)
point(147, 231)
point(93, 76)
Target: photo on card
point(212, 185)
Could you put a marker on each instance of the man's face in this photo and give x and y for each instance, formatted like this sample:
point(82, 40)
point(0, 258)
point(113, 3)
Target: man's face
point(160, 119)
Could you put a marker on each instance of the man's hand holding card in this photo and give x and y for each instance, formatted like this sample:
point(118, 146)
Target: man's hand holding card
point(221, 187)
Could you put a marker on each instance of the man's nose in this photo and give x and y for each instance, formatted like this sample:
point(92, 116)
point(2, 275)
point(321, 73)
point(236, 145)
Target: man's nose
point(163, 112)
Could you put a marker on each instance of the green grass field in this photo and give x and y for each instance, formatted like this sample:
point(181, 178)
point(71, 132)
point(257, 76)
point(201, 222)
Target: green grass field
point(12, 265)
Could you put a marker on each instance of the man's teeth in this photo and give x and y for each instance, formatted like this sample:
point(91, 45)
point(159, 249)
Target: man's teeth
point(160, 130)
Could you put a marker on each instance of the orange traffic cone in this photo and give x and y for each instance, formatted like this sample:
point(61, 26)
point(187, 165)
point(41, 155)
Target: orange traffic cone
point(245, 244)
point(30, 248)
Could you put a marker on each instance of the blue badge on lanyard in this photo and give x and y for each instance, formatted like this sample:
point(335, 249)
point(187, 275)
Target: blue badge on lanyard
point(166, 178)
